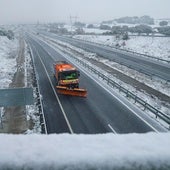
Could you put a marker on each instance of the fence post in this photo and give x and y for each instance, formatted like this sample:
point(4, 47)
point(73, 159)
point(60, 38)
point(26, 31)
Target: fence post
point(127, 94)
point(145, 106)
point(1, 123)
point(156, 114)
point(108, 81)
point(135, 98)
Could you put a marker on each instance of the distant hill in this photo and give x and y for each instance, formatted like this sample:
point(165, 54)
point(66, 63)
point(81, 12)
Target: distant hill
point(132, 20)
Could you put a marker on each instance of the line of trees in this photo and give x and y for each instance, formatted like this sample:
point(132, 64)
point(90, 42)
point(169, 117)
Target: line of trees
point(139, 29)
point(136, 20)
point(163, 23)
point(132, 20)
point(164, 30)
point(9, 34)
point(124, 29)
point(117, 30)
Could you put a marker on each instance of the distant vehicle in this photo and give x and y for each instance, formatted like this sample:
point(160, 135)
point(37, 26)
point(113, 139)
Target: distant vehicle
point(67, 79)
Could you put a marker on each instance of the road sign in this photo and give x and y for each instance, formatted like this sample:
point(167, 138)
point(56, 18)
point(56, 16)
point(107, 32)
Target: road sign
point(16, 97)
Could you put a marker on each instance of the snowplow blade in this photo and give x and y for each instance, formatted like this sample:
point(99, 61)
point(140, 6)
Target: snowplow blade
point(71, 92)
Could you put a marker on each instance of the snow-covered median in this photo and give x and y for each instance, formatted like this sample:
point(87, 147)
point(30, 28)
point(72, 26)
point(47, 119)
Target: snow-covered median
point(105, 151)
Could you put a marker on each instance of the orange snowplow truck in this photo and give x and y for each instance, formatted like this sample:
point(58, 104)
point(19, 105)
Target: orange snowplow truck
point(67, 78)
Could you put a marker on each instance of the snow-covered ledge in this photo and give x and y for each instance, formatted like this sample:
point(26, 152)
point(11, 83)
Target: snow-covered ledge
point(105, 151)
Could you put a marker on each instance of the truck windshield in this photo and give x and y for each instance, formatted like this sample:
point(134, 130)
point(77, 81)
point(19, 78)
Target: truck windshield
point(69, 75)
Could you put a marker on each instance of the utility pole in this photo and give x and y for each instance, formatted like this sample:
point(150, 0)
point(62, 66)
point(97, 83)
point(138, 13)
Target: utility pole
point(73, 19)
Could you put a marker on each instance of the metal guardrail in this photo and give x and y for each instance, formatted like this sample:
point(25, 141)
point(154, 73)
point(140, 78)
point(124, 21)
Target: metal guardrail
point(128, 94)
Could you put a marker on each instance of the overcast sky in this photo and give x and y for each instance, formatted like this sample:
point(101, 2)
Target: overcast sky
point(28, 11)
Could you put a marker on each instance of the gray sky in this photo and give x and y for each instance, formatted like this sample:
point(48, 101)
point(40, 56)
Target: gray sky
point(28, 11)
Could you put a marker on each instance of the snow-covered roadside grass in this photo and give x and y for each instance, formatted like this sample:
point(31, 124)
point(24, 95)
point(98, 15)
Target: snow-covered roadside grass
point(154, 101)
point(33, 112)
point(154, 46)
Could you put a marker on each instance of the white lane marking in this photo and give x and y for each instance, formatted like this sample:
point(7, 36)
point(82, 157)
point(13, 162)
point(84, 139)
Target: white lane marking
point(85, 71)
point(61, 107)
point(112, 129)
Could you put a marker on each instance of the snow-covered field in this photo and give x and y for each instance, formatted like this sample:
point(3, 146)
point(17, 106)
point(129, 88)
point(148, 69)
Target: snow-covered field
point(154, 46)
point(99, 152)
point(8, 52)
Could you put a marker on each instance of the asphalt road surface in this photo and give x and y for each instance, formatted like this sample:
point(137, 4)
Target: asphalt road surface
point(100, 112)
point(142, 64)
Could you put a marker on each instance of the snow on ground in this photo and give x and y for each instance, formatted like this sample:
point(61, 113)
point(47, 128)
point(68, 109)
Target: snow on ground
point(8, 66)
point(65, 151)
point(160, 48)
point(94, 30)
point(155, 83)
point(8, 52)
point(102, 151)
point(153, 101)
point(87, 30)
point(154, 46)
point(32, 111)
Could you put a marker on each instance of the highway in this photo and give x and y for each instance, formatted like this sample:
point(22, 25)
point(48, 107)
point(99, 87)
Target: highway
point(142, 64)
point(100, 112)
